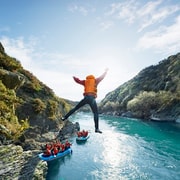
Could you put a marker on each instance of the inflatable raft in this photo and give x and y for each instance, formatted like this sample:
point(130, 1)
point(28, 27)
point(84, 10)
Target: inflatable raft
point(82, 138)
point(53, 157)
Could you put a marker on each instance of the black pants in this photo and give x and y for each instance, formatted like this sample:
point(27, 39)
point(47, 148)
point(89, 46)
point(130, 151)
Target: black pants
point(92, 103)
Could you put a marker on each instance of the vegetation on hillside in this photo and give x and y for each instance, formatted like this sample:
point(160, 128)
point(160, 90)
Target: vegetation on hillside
point(31, 103)
point(155, 91)
point(10, 126)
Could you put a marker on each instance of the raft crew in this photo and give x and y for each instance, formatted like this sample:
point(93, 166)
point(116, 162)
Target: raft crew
point(55, 148)
point(47, 152)
point(82, 133)
point(67, 145)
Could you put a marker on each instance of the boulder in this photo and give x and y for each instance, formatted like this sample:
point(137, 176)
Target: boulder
point(68, 130)
point(11, 80)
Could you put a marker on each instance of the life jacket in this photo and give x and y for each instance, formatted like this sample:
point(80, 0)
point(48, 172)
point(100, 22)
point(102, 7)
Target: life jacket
point(62, 147)
point(86, 133)
point(78, 134)
point(67, 145)
point(90, 86)
point(55, 150)
point(47, 153)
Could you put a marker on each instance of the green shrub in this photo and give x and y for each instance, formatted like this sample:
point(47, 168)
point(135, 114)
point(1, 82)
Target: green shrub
point(52, 109)
point(9, 63)
point(109, 106)
point(65, 106)
point(143, 103)
point(38, 105)
point(10, 126)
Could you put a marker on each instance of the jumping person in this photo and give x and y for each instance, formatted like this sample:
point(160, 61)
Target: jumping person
point(90, 94)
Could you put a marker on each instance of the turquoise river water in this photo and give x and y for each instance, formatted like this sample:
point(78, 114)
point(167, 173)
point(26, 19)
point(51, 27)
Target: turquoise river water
point(128, 149)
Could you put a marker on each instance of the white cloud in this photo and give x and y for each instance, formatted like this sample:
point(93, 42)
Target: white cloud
point(81, 9)
point(165, 39)
point(106, 25)
point(125, 10)
point(153, 13)
point(144, 15)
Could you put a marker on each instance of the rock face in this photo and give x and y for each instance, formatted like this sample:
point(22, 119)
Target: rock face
point(33, 140)
point(22, 162)
point(30, 117)
point(11, 80)
point(27, 106)
point(68, 130)
point(16, 164)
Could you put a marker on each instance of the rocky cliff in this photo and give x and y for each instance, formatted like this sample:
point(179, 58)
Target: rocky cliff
point(30, 116)
point(16, 164)
point(26, 103)
point(153, 94)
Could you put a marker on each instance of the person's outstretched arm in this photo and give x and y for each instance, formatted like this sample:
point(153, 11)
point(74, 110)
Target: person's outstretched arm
point(100, 78)
point(77, 80)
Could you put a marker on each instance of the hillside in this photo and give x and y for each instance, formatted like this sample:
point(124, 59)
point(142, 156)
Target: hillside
point(28, 108)
point(153, 94)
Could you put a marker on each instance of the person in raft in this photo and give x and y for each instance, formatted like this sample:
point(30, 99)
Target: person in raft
point(90, 94)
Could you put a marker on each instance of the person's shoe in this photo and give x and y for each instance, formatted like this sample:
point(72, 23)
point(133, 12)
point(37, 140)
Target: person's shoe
point(63, 118)
point(98, 131)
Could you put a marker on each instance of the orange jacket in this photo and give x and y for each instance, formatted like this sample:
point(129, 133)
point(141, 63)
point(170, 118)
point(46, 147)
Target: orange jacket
point(90, 84)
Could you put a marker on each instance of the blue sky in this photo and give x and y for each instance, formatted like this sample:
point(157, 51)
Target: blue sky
point(58, 39)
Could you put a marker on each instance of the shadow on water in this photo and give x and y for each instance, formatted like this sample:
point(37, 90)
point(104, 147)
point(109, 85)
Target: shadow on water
point(170, 127)
point(55, 167)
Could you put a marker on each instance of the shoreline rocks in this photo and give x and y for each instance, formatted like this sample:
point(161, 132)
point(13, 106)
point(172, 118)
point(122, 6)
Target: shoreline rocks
point(21, 161)
point(16, 164)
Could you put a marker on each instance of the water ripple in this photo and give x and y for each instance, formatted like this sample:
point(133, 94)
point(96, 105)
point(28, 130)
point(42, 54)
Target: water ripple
point(127, 150)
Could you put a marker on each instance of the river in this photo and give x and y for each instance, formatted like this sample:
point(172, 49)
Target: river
point(128, 149)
